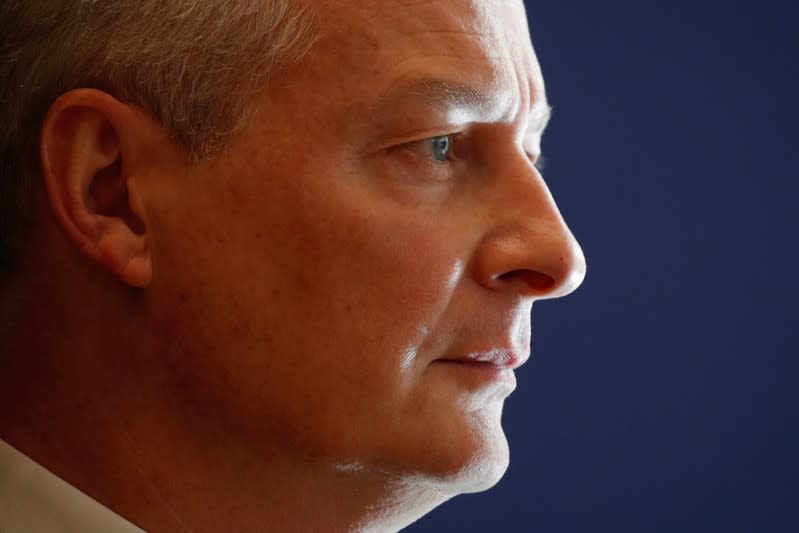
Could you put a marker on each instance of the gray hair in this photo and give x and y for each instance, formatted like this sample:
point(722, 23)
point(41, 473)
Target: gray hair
point(192, 63)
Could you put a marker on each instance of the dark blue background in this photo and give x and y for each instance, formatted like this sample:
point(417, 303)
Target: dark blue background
point(662, 396)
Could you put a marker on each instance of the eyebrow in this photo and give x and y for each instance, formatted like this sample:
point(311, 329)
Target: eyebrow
point(447, 95)
point(437, 93)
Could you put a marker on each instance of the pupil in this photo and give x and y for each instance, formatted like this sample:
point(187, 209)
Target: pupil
point(440, 148)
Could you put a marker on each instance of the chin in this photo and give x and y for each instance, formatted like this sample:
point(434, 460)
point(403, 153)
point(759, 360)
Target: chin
point(454, 450)
point(485, 471)
point(477, 463)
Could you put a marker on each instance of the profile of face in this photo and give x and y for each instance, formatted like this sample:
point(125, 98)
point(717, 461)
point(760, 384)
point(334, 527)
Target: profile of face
point(351, 281)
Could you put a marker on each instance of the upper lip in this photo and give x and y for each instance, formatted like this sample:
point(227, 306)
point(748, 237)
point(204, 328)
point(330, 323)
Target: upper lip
point(502, 357)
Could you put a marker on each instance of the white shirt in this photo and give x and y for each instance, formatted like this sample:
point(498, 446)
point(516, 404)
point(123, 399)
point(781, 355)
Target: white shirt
point(33, 500)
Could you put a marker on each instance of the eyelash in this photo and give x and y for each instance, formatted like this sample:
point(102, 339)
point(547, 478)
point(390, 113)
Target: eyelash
point(425, 147)
point(428, 145)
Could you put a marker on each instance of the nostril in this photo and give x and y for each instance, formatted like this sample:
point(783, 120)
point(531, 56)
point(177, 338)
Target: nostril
point(533, 280)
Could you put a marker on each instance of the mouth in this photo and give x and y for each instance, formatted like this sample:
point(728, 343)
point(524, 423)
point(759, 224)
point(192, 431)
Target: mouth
point(489, 366)
point(497, 358)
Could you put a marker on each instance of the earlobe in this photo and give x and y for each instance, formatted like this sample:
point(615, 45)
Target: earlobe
point(85, 167)
point(127, 256)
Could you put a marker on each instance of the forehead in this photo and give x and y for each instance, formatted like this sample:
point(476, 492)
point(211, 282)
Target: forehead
point(484, 42)
point(384, 20)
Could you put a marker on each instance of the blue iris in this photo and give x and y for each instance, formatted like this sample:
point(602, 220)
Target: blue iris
point(441, 146)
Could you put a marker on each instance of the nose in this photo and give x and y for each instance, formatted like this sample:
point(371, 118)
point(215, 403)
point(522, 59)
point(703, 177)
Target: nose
point(529, 248)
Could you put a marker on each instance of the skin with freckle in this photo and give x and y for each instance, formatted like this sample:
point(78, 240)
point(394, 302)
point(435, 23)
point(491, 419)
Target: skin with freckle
point(312, 284)
point(354, 269)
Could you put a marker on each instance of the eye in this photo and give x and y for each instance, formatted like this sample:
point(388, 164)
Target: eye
point(440, 147)
point(437, 149)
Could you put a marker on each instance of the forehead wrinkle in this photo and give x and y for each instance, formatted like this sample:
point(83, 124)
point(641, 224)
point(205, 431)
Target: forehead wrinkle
point(471, 80)
point(459, 52)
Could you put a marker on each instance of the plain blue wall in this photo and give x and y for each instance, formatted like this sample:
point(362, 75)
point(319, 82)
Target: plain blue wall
point(663, 395)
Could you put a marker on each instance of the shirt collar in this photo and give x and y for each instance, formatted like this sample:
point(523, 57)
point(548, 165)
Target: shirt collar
point(34, 500)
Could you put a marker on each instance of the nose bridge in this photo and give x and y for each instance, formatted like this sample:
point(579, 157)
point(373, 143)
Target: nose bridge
point(531, 247)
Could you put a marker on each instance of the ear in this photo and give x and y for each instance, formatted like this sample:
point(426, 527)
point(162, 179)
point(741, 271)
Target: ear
point(88, 145)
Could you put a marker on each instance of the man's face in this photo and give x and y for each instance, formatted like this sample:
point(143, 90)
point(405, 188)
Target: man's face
point(321, 284)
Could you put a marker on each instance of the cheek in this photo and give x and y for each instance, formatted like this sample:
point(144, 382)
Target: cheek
point(299, 319)
point(374, 287)
point(374, 273)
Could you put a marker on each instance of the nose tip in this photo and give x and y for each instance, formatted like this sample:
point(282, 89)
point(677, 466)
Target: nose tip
point(572, 272)
point(530, 250)
point(543, 263)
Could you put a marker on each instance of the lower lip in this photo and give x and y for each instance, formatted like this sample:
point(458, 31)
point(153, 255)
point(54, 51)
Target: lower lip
point(481, 371)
